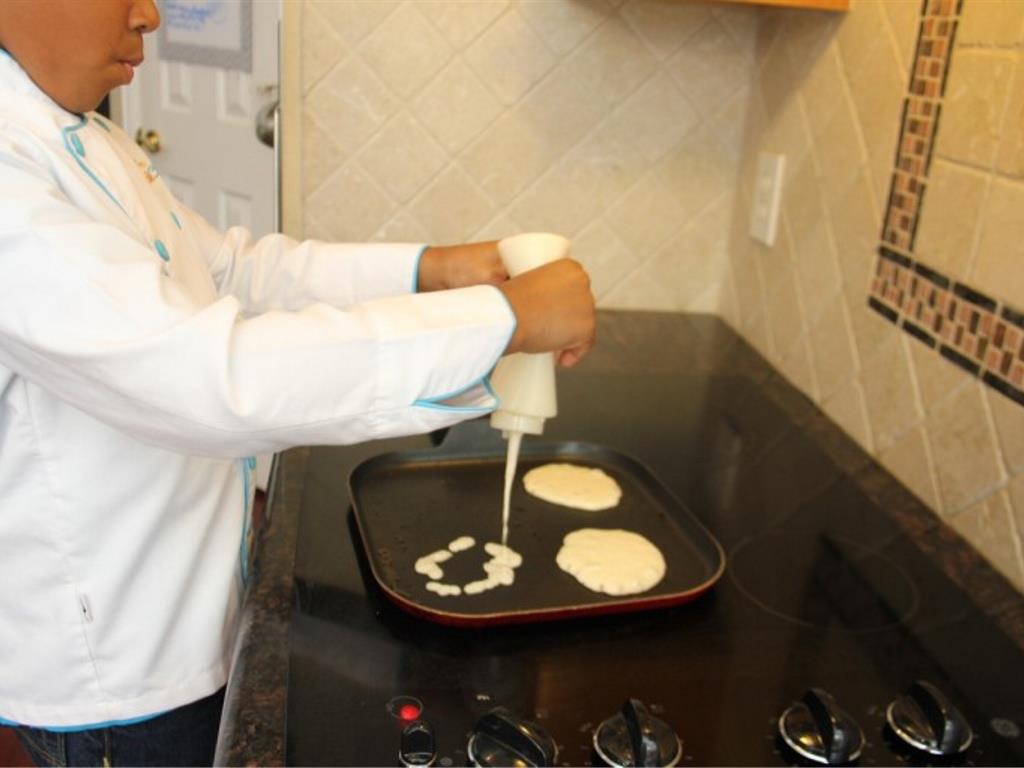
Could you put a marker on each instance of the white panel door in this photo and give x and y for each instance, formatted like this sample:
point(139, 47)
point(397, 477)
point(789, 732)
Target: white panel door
point(205, 118)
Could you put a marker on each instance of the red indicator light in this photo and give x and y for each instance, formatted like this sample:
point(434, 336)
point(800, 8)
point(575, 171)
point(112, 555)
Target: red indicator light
point(409, 712)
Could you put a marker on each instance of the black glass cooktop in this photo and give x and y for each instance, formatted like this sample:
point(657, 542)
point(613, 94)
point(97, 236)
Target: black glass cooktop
point(823, 588)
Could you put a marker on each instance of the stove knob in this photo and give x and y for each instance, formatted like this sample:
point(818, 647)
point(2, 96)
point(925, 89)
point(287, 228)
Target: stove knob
point(817, 729)
point(634, 738)
point(500, 738)
point(926, 720)
point(417, 747)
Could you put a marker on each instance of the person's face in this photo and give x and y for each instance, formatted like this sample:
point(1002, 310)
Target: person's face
point(77, 51)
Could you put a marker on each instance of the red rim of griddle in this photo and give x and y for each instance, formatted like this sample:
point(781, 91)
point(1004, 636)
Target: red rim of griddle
point(451, 619)
point(624, 604)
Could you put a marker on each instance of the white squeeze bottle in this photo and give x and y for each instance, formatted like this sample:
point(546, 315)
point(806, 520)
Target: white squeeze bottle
point(524, 382)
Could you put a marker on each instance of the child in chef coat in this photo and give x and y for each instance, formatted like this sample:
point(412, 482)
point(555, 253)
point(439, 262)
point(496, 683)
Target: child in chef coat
point(144, 356)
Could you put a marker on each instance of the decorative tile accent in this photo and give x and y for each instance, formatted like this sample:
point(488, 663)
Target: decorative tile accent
point(920, 121)
point(960, 323)
point(966, 327)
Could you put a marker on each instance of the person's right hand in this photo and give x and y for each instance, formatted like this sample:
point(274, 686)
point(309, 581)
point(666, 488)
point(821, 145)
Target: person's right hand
point(554, 311)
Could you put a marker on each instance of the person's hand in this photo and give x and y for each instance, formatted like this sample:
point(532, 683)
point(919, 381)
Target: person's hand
point(554, 311)
point(460, 266)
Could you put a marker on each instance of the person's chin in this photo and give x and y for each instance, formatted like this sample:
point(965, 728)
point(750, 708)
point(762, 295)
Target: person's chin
point(126, 72)
point(91, 102)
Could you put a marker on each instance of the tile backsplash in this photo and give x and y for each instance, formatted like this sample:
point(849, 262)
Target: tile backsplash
point(902, 124)
point(634, 127)
point(617, 124)
point(963, 325)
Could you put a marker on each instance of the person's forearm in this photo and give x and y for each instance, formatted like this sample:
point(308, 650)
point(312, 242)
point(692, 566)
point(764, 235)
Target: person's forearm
point(459, 266)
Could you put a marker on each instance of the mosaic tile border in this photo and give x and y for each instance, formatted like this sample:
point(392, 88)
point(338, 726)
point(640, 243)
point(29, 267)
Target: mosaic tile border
point(919, 122)
point(963, 325)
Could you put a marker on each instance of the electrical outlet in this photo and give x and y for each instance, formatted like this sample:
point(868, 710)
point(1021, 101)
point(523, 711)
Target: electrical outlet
point(764, 208)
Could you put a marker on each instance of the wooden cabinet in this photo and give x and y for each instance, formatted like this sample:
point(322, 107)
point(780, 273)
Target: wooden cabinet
point(817, 5)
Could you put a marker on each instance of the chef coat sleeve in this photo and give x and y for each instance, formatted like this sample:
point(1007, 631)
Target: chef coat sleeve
point(87, 313)
point(278, 272)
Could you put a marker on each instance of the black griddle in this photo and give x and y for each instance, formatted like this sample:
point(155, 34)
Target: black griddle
point(407, 505)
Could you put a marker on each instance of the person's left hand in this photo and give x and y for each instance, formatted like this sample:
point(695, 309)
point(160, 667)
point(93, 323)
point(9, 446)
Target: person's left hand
point(460, 266)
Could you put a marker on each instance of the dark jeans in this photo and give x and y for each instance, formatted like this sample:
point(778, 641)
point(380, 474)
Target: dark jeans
point(183, 736)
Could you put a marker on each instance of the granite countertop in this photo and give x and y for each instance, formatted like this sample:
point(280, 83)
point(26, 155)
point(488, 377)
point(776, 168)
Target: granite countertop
point(253, 728)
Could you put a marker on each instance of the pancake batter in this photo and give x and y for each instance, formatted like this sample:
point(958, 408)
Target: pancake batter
point(511, 460)
point(615, 562)
point(573, 486)
point(500, 568)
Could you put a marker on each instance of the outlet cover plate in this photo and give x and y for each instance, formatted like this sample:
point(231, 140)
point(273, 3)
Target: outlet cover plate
point(764, 208)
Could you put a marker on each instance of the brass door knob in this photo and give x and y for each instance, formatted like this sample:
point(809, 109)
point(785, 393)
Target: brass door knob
point(148, 140)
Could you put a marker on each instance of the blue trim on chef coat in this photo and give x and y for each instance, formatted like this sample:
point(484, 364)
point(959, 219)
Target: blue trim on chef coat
point(69, 140)
point(88, 727)
point(416, 269)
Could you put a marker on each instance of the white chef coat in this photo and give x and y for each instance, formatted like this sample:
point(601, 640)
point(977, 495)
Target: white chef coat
point(143, 356)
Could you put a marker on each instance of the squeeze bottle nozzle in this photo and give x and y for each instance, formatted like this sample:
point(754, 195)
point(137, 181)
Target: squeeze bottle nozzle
point(525, 382)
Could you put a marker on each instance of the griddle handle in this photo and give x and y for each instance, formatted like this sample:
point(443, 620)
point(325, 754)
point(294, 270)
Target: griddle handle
point(641, 736)
point(474, 436)
point(437, 437)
